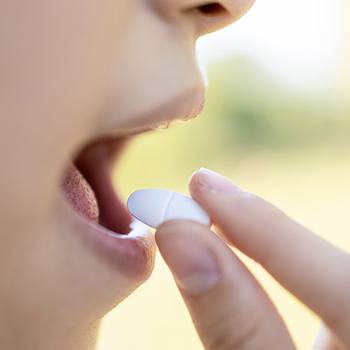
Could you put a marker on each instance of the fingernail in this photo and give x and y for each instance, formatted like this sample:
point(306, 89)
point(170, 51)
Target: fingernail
point(194, 267)
point(211, 181)
point(196, 272)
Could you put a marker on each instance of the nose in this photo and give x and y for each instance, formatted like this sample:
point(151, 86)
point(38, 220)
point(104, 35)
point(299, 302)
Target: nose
point(207, 16)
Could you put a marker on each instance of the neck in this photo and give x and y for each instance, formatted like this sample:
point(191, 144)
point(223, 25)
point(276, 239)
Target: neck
point(16, 334)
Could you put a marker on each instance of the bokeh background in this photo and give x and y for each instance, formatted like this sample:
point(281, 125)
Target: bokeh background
point(277, 123)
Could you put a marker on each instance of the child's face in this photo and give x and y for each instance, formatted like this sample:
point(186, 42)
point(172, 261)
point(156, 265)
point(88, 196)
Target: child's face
point(73, 71)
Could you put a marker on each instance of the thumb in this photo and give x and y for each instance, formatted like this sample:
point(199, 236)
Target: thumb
point(228, 306)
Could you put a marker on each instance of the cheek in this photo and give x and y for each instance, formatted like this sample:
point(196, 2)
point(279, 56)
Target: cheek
point(57, 51)
point(55, 60)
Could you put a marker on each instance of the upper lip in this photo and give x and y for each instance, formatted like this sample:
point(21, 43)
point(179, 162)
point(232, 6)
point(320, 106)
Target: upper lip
point(185, 106)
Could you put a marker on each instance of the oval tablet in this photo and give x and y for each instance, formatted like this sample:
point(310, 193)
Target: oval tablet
point(155, 206)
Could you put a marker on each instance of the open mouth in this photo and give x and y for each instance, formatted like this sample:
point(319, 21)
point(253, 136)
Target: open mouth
point(87, 185)
point(96, 211)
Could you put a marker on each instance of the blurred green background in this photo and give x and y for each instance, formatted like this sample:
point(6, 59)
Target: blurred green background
point(277, 123)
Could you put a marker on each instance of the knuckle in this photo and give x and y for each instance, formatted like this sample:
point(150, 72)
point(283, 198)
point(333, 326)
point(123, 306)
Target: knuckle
point(232, 335)
point(272, 223)
point(248, 203)
point(339, 321)
point(243, 199)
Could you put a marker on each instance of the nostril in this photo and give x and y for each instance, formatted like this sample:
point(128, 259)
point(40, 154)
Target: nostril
point(212, 9)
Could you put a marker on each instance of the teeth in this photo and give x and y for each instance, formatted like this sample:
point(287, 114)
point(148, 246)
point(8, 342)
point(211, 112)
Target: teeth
point(169, 123)
point(137, 229)
point(163, 126)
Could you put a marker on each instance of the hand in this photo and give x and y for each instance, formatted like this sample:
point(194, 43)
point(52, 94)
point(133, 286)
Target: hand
point(228, 306)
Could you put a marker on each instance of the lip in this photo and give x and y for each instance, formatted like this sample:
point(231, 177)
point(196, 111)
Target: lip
point(183, 107)
point(131, 255)
point(129, 252)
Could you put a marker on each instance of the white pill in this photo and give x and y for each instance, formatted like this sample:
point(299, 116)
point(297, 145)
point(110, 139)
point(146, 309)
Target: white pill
point(155, 206)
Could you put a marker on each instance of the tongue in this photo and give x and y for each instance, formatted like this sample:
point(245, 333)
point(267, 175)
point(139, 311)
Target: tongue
point(95, 163)
point(79, 193)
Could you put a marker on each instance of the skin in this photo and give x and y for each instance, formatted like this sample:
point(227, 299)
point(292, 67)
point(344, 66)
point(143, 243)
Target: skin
point(228, 306)
point(71, 71)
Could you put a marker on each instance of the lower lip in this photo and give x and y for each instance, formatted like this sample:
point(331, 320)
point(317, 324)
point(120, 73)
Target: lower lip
point(131, 254)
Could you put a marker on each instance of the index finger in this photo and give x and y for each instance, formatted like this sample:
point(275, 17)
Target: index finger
point(312, 269)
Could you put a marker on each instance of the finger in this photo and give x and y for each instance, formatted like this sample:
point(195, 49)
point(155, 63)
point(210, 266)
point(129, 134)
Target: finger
point(326, 341)
point(312, 269)
point(227, 305)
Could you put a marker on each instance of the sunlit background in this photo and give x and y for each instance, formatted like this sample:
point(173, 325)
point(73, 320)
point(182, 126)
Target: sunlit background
point(277, 123)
